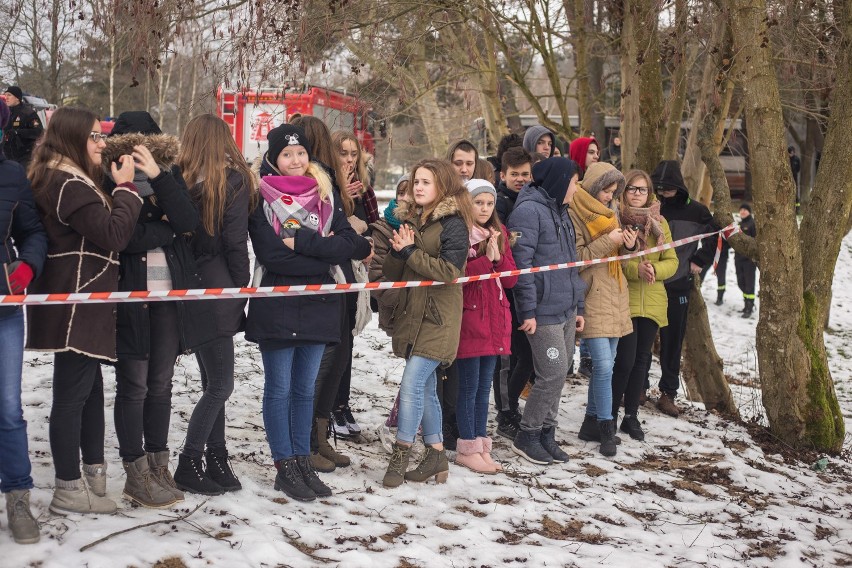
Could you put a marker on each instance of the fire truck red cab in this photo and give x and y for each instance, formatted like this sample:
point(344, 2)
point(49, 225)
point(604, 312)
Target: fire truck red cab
point(251, 114)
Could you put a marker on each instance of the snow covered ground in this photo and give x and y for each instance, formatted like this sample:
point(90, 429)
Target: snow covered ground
point(700, 491)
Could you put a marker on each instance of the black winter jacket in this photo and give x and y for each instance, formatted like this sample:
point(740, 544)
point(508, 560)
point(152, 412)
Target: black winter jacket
point(506, 199)
point(21, 133)
point(171, 199)
point(223, 259)
point(24, 237)
point(289, 321)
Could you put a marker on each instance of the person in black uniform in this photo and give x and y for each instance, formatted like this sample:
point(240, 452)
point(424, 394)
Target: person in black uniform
point(686, 218)
point(23, 129)
point(746, 268)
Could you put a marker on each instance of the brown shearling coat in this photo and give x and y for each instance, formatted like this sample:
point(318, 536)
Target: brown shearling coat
point(85, 232)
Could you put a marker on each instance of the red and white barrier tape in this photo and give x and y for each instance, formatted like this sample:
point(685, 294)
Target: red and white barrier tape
point(305, 289)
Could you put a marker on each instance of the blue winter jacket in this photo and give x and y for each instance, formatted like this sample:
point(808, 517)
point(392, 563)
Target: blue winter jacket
point(545, 235)
point(20, 225)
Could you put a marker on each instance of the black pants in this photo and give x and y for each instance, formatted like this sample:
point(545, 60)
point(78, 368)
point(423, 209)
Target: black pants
point(746, 276)
point(335, 373)
point(721, 268)
point(341, 369)
point(448, 393)
point(632, 361)
point(207, 423)
point(509, 380)
point(77, 414)
point(671, 341)
point(143, 395)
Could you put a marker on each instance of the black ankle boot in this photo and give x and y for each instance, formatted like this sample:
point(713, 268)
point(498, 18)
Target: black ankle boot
point(191, 477)
point(219, 469)
point(290, 480)
point(310, 477)
point(608, 445)
point(720, 297)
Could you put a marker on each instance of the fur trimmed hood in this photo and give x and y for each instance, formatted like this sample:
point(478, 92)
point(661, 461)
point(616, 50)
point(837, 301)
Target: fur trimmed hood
point(164, 148)
point(405, 210)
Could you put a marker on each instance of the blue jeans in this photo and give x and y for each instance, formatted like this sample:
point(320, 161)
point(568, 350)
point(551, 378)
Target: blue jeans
point(288, 398)
point(418, 402)
point(14, 455)
point(602, 350)
point(475, 377)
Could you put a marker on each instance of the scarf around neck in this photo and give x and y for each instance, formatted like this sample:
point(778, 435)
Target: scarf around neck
point(648, 219)
point(293, 202)
point(389, 214)
point(599, 221)
point(477, 235)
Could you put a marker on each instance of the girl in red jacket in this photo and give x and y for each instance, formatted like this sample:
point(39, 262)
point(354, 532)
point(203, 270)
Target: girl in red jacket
point(486, 328)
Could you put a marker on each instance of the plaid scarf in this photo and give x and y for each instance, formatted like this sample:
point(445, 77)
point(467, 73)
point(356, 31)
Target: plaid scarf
point(648, 219)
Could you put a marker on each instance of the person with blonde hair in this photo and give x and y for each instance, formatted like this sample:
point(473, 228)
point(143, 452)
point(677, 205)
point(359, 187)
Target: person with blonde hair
point(300, 235)
point(223, 189)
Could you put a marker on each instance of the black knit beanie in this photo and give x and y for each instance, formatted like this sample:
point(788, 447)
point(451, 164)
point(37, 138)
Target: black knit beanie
point(286, 135)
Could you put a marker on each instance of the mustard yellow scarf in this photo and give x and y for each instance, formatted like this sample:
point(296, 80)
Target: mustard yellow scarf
point(599, 221)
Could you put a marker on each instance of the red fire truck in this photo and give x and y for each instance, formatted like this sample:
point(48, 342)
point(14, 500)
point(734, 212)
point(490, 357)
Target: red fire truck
point(251, 114)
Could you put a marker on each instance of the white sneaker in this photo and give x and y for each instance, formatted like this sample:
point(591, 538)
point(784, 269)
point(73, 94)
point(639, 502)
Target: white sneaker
point(386, 437)
point(339, 424)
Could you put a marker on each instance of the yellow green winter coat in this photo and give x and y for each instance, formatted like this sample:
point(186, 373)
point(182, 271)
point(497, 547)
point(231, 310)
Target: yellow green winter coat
point(650, 300)
point(427, 320)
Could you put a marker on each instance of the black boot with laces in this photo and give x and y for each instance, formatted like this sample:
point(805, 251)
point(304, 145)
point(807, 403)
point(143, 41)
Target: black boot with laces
point(310, 477)
point(219, 469)
point(191, 477)
point(290, 480)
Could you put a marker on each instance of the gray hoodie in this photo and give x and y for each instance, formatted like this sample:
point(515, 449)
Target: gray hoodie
point(532, 135)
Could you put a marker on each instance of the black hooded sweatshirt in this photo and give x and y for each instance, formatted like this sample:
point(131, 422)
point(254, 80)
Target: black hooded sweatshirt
point(686, 218)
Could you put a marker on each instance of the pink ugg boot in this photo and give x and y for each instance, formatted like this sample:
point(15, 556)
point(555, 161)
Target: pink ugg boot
point(469, 455)
point(486, 454)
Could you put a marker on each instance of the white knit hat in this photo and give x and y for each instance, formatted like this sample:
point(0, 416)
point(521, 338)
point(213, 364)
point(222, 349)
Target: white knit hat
point(477, 186)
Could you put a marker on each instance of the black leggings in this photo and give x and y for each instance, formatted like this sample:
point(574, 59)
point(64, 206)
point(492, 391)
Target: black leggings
point(632, 361)
point(509, 381)
point(77, 414)
point(341, 362)
point(207, 423)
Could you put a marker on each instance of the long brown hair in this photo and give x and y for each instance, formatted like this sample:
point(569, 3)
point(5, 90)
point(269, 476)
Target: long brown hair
point(207, 152)
point(322, 149)
point(448, 185)
point(67, 136)
point(339, 137)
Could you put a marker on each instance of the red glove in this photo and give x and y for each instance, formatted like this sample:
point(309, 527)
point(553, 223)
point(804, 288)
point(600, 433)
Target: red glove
point(20, 276)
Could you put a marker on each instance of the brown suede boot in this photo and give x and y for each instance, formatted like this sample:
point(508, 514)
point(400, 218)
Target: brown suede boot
point(326, 450)
point(434, 464)
point(666, 405)
point(395, 474)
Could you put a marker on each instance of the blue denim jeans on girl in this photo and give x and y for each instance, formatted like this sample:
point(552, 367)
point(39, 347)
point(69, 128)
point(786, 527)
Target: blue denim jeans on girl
point(602, 350)
point(475, 377)
point(15, 465)
point(418, 402)
point(288, 398)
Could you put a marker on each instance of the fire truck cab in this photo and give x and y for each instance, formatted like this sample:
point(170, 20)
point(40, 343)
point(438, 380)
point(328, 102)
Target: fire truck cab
point(251, 114)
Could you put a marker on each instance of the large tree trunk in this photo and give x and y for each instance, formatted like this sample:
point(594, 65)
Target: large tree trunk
point(683, 61)
point(649, 83)
point(629, 89)
point(829, 205)
point(798, 394)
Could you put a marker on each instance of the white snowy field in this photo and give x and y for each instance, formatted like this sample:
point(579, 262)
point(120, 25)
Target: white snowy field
point(700, 491)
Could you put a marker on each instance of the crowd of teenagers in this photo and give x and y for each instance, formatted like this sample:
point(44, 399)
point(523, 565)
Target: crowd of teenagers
point(142, 210)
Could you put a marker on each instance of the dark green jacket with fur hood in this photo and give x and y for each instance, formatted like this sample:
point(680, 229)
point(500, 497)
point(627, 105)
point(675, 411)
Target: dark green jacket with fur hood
point(427, 320)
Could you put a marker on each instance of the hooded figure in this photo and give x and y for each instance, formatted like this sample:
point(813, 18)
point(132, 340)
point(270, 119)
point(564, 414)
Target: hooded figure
point(579, 150)
point(686, 218)
point(534, 134)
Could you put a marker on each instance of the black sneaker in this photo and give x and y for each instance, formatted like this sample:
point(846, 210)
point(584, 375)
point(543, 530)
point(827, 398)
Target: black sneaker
point(290, 480)
point(608, 446)
point(585, 367)
point(219, 469)
point(339, 424)
point(451, 436)
point(528, 445)
point(191, 477)
point(630, 426)
point(354, 429)
point(508, 423)
point(310, 477)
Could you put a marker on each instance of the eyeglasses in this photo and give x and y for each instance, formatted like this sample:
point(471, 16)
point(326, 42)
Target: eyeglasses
point(97, 137)
point(636, 189)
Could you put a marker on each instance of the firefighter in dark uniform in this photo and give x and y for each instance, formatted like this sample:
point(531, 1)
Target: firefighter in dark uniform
point(746, 268)
point(24, 127)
